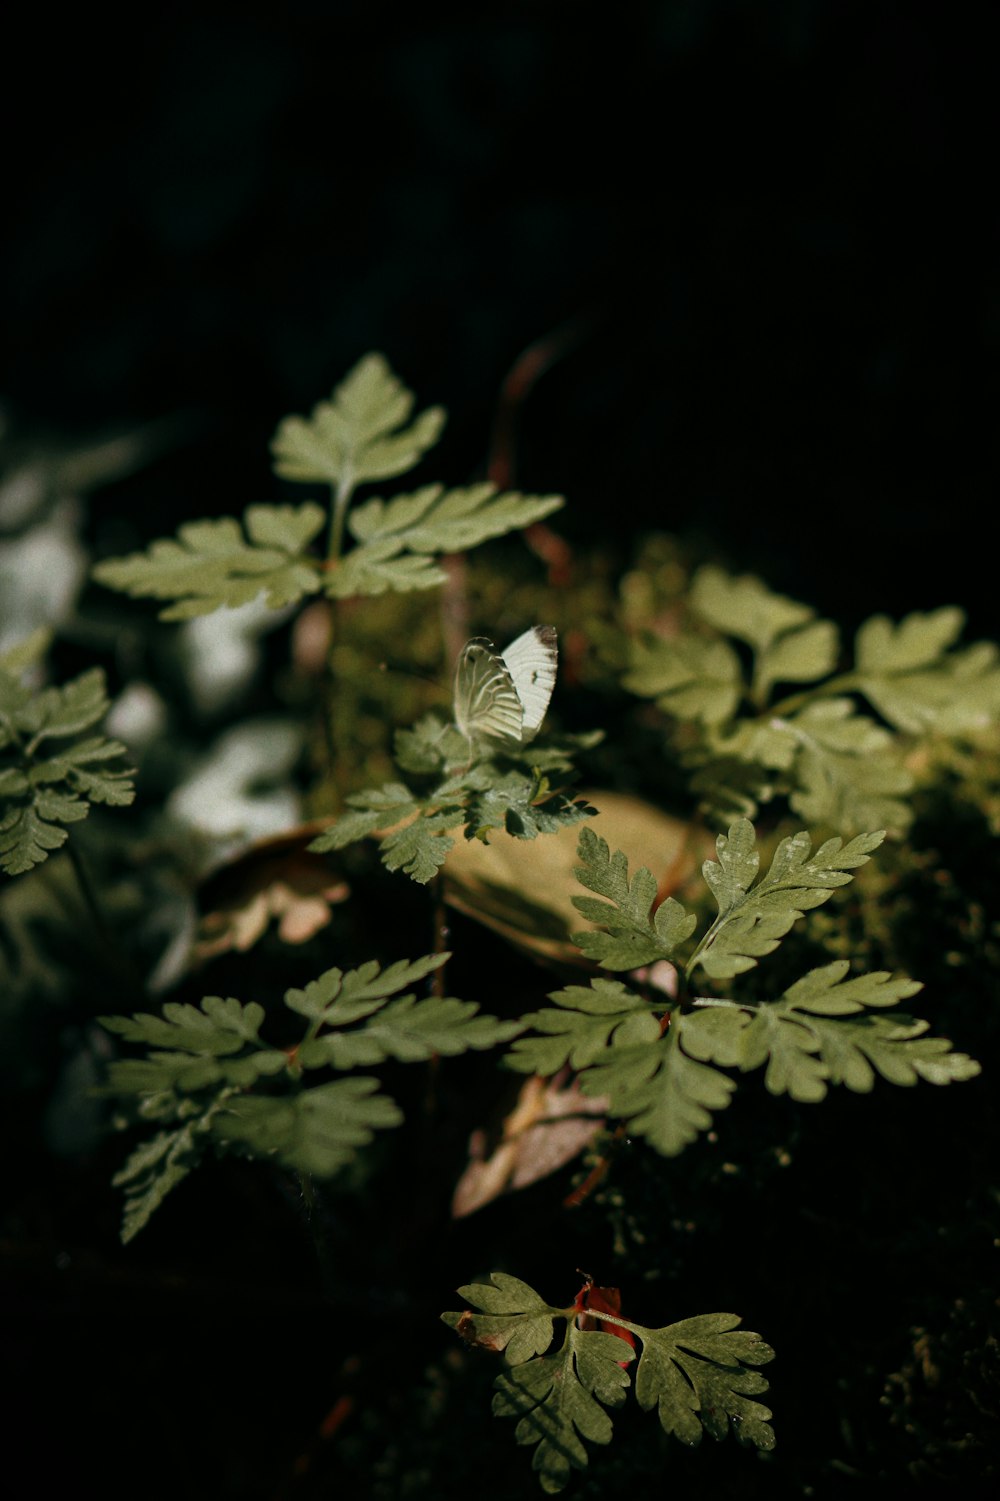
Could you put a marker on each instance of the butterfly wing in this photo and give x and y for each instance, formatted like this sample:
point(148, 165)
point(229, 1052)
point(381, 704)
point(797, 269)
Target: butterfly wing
point(531, 661)
point(486, 700)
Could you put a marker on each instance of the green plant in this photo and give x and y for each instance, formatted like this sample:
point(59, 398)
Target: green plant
point(306, 1078)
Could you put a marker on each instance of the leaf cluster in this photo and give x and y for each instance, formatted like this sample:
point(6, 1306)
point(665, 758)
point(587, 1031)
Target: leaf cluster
point(658, 1060)
point(211, 1079)
point(52, 771)
point(700, 1375)
point(523, 791)
point(362, 434)
point(837, 747)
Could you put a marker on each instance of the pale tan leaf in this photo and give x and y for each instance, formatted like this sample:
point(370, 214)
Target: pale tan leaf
point(274, 880)
point(549, 1126)
point(523, 889)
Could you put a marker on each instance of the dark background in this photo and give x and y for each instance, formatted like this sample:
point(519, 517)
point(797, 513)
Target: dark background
point(769, 227)
point(763, 235)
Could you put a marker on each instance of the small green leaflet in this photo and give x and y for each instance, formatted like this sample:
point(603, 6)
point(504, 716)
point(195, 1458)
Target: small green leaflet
point(212, 566)
point(398, 539)
point(415, 833)
point(617, 1043)
point(837, 767)
point(337, 999)
point(42, 787)
point(26, 653)
point(660, 1090)
point(406, 1029)
point(690, 677)
point(700, 1375)
point(579, 1029)
point(523, 807)
point(745, 607)
point(558, 1401)
point(790, 645)
point(378, 808)
point(821, 1032)
point(159, 1164)
point(635, 935)
point(918, 683)
point(192, 1048)
point(378, 567)
point(512, 1317)
point(436, 520)
point(316, 1131)
point(363, 433)
point(753, 918)
point(203, 1062)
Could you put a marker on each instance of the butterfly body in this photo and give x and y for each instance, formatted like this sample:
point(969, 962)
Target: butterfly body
point(504, 695)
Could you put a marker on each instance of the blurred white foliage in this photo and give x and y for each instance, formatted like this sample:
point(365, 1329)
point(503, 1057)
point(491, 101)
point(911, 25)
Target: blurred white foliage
point(221, 651)
point(241, 790)
point(41, 574)
point(138, 716)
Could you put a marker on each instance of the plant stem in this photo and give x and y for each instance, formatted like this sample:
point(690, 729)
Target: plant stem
point(795, 701)
point(102, 930)
point(338, 512)
point(89, 895)
point(341, 495)
point(441, 932)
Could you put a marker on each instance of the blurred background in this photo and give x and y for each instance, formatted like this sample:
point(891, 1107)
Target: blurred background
point(755, 237)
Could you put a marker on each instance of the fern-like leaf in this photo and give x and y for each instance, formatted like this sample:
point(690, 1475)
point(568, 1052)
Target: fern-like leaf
point(700, 1375)
point(378, 808)
point(580, 1027)
point(634, 933)
point(512, 1317)
point(558, 1399)
point(336, 999)
point(193, 1047)
point(753, 918)
point(746, 608)
point(623, 1053)
point(406, 1029)
point(821, 1032)
point(212, 565)
point(436, 520)
point(410, 1031)
point(42, 789)
point(363, 433)
point(314, 1131)
point(659, 1089)
point(523, 806)
point(917, 682)
point(202, 1062)
point(688, 676)
point(380, 567)
point(156, 1166)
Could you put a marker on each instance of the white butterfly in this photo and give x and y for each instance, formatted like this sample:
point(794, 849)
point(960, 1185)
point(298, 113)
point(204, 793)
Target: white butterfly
point(505, 694)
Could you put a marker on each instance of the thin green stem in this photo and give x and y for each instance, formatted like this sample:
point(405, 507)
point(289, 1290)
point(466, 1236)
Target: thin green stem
point(703, 943)
point(796, 701)
point(338, 512)
point(441, 932)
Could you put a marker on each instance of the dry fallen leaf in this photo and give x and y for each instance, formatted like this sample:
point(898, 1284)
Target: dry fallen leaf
point(273, 879)
point(550, 1124)
point(523, 889)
